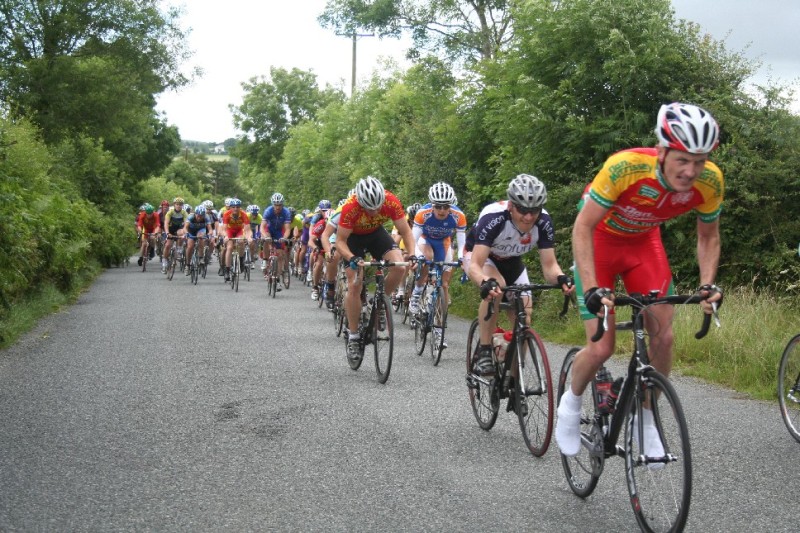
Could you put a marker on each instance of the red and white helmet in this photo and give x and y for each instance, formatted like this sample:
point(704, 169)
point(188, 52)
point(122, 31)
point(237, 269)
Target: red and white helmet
point(687, 127)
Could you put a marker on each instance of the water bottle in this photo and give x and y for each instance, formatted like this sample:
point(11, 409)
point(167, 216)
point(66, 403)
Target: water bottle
point(500, 341)
point(603, 382)
point(614, 394)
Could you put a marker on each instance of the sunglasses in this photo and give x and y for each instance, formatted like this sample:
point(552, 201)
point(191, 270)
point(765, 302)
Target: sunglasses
point(527, 210)
point(441, 207)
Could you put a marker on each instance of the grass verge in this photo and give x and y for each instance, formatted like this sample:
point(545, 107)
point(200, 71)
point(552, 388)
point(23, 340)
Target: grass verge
point(24, 314)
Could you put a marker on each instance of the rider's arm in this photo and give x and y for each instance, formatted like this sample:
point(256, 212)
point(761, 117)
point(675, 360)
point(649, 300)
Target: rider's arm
point(550, 267)
point(461, 242)
point(583, 241)
point(326, 237)
point(341, 243)
point(708, 250)
point(480, 253)
point(405, 233)
point(287, 230)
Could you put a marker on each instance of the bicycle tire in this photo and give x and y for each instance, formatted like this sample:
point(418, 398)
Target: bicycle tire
point(382, 338)
point(203, 269)
point(338, 303)
point(483, 395)
point(788, 383)
point(235, 272)
point(439, 321)
point(582, 471)
point(286, 278)
point(407, 296)
point(660, 493)
point(396, 301)
point(534, 394)
point(193, 269)
point(421, 323)
point(171, 264)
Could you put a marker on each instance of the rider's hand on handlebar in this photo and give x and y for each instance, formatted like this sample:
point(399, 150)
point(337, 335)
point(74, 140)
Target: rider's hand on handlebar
point(595, 298)
point(355, 262)
point(490, 288)
point(566, 282)
point(713, 298)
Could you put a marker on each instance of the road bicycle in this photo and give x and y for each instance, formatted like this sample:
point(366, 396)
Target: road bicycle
point(789, 387)
point(271, 270)
point(430, 321)
point(375, 322)
point(173, 258)
point(194, 266)
point(247, 263)
point(236, 262)
point(145, 250)
point(659, 486)
point(522, 374)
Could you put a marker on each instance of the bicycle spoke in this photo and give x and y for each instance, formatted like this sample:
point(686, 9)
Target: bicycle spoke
point(482, 394)
point(534, 401)
point(789, 387)
point(383, 338)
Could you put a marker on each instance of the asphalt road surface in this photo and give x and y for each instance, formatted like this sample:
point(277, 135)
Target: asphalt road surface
point(152, 405)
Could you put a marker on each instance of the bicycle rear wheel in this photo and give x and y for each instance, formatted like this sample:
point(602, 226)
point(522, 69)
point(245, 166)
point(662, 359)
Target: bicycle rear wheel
point(789, 387)
point(582, 471)
point(534, 394)
point(436, 342)
point(382, 338)
point(145, 256)
point(483, 395)
point(660, 488)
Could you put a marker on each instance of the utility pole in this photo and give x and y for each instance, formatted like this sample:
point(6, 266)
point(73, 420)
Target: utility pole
point(354, 36)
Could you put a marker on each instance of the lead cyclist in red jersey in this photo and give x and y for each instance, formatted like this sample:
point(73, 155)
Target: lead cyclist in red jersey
point(617, 233)
point(361, 230)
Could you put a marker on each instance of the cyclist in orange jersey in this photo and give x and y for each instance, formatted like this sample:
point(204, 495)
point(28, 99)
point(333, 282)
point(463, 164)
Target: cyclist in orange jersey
point(617, 233)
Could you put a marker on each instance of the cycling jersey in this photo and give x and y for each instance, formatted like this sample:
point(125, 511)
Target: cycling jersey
point(175, 218)
point(496, 230)
point(355, 218)
point(194, 226)
point(234, 223)
point(150, 223)
point(276, 221)
point(438, 233)
point(630, 185)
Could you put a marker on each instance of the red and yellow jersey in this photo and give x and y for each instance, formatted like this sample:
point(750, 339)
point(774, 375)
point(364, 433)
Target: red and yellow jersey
point(235, 221)
point(355, 218)
point(638, 199)
point(150, 223)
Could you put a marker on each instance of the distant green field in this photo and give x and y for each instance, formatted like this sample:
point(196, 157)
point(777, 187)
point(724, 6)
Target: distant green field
point(218, 157)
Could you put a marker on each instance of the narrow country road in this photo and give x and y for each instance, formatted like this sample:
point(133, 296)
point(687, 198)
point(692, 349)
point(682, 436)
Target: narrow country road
point(152, 405)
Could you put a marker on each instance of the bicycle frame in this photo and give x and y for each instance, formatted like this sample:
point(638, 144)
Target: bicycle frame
point(638, 364)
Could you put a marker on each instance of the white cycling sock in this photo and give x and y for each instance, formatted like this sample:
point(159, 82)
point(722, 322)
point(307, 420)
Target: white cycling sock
point(571, 402)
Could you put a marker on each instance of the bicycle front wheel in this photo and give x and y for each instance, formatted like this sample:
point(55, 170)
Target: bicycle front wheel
point(382, 338)
point(436, 342)
point(235, 273)
point(171, 264)
point(420, 323)
point(582, 471)
point(534, 401)
point(483, 396)
point(659, 482)
point(194, 270)
point(789, 387)
point(286, 277)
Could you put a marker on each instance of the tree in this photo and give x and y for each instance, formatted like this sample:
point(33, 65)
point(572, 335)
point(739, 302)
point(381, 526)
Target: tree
point(79, 67)
point(270, 107)
point(470, 30)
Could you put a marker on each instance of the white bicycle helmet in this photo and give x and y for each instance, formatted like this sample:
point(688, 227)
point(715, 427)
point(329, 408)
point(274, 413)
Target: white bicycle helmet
point(441, 193)
point(687, 127)
point(228, 201)
point(527, 191)
point(277, 199)
point(208, 204)
point(370, 193)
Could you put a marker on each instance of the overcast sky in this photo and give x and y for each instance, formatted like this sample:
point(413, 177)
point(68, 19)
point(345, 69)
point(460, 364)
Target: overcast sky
point(238, 39)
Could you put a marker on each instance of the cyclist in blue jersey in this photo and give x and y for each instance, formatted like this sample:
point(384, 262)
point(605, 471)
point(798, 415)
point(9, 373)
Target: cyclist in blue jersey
point(276, 223)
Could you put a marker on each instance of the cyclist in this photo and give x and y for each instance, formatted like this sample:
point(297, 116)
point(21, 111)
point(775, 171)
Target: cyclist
point(300, 229)
point(504, 232)
point(196, 226)
point(361, 230)
point(434, 226)
point(253, 213)
point(147, 222)
point(617, 233)
point(276, 223)
point(173, 225)
point(235, 224)
point(318, 223)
